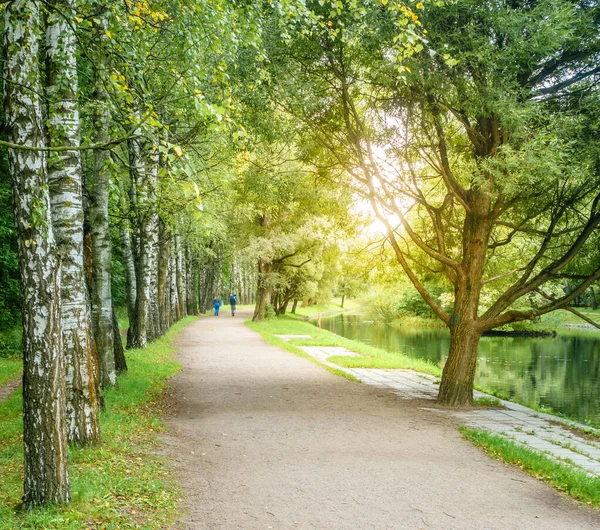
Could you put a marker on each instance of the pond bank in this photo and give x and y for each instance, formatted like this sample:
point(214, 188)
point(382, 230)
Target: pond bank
point(551, 373)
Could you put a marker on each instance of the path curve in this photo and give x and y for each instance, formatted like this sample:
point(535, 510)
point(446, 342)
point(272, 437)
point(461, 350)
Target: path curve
point(265, 439)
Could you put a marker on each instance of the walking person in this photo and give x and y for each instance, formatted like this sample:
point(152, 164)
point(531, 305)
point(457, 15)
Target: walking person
point(233, 303)
point(216, 305)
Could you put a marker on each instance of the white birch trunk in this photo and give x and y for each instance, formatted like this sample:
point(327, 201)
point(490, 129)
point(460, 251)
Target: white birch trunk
point(65, 177)
point(173, 286)
point(144, 198)
point(46, 477)
point(101, 243)
point(179, 270)
point(128, 260)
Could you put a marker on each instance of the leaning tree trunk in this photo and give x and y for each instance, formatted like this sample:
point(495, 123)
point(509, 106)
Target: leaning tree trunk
point(46, 477)
point(101, 295)
point(456, 386)
point(65, 183)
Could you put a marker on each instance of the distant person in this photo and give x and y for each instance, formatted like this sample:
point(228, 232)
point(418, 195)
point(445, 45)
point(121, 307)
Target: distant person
point(233, 303)
point(216, 305)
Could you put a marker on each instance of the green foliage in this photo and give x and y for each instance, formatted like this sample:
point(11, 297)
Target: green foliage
point(9, 261)
point(123, 484)
point(381, 305)
point(486, 402)
point(11, 342)
point(575, 483)
point(411, 303)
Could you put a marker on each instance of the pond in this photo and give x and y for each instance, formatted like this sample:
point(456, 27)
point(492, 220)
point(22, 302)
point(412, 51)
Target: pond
point(556, 372)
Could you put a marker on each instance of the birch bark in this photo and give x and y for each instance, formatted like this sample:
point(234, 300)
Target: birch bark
point(65, 178)
point(46, 477)
point(163, 278)
point(101, 243)
point(128, 260)
point(144, 198)
point(180, 271)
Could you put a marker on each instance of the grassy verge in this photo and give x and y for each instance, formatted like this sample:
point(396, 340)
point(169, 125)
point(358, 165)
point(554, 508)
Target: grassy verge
point(370, 357)
point(330, 307)
point(10, 368)
point(575, 483)
point(120, 485)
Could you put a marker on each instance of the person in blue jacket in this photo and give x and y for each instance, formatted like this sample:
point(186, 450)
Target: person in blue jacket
point(233, 303)
point(216, 305)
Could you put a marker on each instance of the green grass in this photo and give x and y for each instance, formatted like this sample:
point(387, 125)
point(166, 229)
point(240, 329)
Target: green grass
point(562, 316)
point(123, 484)
point(573, 482)
point(330, 307)
point(487, 402)
point(370, 357)
point(10, 368)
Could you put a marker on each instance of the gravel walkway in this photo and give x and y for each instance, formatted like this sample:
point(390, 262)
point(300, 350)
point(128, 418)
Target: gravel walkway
point(265, 439)
point(555, 437)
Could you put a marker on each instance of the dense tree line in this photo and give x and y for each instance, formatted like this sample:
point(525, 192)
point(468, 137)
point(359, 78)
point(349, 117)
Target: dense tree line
point(111, 122)
point(162, 153)
point(471, 128)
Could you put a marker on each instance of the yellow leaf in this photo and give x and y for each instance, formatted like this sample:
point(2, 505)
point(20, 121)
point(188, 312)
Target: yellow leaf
point(384, 2)
point(108, 34)
point(79, 19)
point(178, 150)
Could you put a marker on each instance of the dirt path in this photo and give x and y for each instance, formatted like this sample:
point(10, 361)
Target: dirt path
point(265, 439)
point(7, 389)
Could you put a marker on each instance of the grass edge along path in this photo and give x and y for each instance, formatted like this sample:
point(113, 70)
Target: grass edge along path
point(370, 357)
point(122, 484)
point(577, 484)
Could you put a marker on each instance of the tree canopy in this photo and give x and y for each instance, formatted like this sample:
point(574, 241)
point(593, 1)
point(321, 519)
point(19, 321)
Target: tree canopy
point(163, 153)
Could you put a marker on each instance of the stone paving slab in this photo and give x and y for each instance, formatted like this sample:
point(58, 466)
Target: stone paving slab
point(538, 431)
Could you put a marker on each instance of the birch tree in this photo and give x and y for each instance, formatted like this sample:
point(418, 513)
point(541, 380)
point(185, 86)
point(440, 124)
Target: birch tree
point(65, 181)
point(46, 478)
point(102, 310)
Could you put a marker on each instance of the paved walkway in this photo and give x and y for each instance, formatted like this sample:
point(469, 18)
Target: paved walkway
point(265, 439)
point(555, 437)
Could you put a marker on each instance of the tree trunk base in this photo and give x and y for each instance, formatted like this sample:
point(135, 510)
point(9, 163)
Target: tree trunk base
point(455, 393)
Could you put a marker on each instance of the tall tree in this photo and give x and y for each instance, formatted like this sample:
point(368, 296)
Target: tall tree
point(102, 309)
point(46, 478)
point(65, 182)
point(461, 145)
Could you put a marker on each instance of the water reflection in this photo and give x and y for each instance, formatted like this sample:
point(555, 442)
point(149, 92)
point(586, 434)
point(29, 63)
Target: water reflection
point(558, 372)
